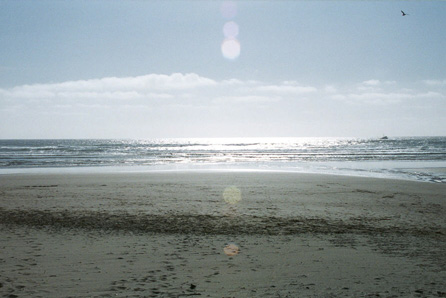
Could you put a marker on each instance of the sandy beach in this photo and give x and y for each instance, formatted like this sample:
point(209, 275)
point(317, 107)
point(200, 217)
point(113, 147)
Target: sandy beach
point(220, 234)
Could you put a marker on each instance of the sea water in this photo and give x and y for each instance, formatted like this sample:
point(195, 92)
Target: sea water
point(418, 158)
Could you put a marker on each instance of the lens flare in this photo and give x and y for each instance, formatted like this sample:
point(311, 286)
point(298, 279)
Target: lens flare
point(231, 249)
point(232, 195)
point(228, 9)
point(230, 48)
point(230, 29)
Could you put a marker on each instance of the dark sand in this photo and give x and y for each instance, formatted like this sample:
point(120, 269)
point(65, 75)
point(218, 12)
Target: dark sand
point(164, 235)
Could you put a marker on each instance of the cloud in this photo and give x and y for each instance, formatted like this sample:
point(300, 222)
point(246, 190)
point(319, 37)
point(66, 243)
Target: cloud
point(246, 99)
point(330, 89)
point(286, 89)
point(374, 82)
point(435, 82)
point(147, 88)
point(385, 98)
point(191, 89)
point(139, 83)
point(233, 82)
point(178, 104)
point(376, 92)
point(111, 87)
point(371, 83)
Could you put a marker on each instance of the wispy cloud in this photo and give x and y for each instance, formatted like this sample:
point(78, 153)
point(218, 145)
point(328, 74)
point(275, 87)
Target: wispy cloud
point(156, 104)
point(286, 88)
point(156, 88)
point(435, 82)
point(111, 87)
point(383, 98)
point(376, 92)
point(246, 99)
point(152, 87)
point(371, 83)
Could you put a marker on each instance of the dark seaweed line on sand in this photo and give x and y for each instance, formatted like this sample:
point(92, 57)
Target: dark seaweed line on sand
point(205, 224)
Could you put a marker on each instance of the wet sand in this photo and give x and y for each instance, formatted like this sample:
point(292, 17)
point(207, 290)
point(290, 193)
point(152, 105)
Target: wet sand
point(164, 235)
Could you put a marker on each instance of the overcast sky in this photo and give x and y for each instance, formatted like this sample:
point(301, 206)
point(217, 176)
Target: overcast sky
point(154, 69)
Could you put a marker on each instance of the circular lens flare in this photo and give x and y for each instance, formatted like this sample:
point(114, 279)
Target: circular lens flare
point(230, 48)
point(231, 250)
point(232, 195)
point(229, 9)
point(230, 29)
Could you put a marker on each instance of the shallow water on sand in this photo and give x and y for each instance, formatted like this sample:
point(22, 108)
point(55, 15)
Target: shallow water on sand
point(420, 158)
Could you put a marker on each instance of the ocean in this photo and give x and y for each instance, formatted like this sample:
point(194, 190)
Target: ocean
point(413, 158)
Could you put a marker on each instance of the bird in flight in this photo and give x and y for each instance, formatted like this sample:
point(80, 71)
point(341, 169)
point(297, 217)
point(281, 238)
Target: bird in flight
point(404, 14)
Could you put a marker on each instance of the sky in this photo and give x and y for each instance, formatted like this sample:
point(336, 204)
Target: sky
point(170, 69)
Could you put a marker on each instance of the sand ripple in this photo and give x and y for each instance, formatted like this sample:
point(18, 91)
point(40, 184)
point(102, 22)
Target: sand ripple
point(209, 224)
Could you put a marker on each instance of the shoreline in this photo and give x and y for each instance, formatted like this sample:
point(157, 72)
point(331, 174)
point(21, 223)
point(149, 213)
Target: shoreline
point(421, 171)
